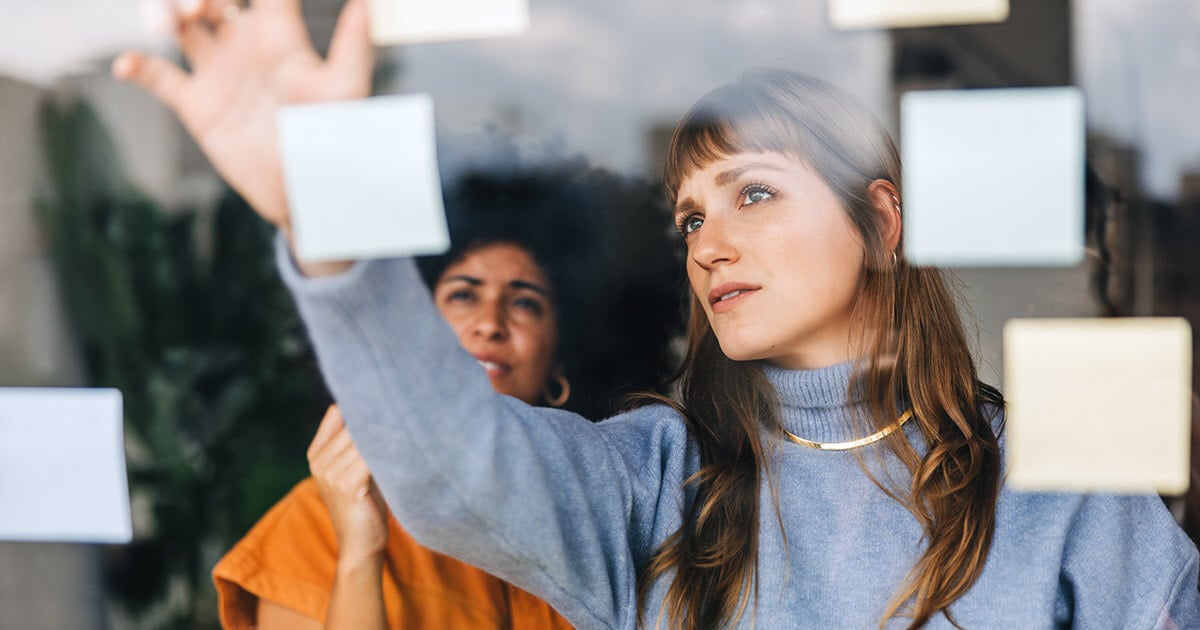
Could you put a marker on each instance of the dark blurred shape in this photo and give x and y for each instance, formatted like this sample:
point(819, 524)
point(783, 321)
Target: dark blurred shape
point(1106, 225)
point(1126, 236)
point(1176, 264)
point(135, 572)
point(1032, 48)
point(923, 61)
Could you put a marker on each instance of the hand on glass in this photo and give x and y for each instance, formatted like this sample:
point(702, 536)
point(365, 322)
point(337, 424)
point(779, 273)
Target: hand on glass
point(355, 504)
point(246, 64)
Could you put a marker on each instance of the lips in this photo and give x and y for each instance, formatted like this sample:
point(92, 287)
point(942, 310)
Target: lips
point(492, 364)
point(730, 294)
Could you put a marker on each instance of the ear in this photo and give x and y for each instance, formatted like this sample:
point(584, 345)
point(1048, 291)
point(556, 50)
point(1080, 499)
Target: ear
point(884, 196)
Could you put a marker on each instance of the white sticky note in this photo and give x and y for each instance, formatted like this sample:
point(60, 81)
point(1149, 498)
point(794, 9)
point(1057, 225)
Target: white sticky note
point(362, 178)
point(62, 466)
point(993, 177)
point(1098, 404)
point(904, 13)
point(413, 21)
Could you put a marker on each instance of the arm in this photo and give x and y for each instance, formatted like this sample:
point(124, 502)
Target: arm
point(1130, 565)
point(360, 521)
point(272, 616)
point(538, 497)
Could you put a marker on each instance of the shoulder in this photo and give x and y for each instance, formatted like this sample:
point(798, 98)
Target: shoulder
point(299, 517)
point(1127, 551)
point(655, 445)
point(289, 557)
point(299, 521)
point(1130, 530)
point(652, 427)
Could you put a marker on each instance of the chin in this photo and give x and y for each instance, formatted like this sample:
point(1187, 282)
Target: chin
point(743, 349)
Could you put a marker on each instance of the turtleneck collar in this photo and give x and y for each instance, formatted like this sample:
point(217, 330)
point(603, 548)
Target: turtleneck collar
point(816, 404)
point(820, 387)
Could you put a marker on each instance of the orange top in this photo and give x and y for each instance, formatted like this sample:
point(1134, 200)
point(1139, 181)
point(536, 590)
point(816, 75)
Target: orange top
point(290, 557)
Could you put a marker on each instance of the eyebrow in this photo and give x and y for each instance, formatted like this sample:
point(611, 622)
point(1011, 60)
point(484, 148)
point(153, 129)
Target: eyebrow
point(515, 284)
point(687, 206)
point(723, 179)
point(728, 176)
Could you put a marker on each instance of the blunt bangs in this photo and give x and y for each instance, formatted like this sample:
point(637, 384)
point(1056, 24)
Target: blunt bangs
point(729, 120)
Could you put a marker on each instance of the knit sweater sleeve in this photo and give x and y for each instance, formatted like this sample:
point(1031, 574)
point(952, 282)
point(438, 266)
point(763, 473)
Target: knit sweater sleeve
point(1128, 564)
point(539, 497)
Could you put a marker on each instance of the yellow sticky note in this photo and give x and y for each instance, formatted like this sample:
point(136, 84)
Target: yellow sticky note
point(1098, 404)
point(849, 14)
point(415, 21)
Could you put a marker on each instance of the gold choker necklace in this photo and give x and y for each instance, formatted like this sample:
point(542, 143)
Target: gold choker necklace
point(845, 446)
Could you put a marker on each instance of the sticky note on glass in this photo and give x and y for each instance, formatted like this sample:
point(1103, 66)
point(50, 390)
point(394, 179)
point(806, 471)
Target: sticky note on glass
point(993, 177)
point(362, 178)
point(1098, 404)
point(62, 466)
point(904, 13)
point(414, 21)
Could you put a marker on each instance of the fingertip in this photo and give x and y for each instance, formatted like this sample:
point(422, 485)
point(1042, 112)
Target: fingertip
point(330, 424)
point(125, 65)
point(362, 10)
point(189, 9)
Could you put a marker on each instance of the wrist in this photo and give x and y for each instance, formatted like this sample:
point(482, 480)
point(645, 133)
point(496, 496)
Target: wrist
point(353, 563)
point(311, 269)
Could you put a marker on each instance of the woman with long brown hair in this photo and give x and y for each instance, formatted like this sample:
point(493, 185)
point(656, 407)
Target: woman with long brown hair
point(831, 460)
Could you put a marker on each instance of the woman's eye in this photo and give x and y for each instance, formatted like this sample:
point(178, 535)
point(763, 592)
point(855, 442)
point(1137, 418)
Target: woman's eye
point(755, 194)
point(529, 304)
point(690, 224)
point(460, 295)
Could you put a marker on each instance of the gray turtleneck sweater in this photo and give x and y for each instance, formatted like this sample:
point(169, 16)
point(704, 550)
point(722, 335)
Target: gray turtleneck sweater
point(569, 510)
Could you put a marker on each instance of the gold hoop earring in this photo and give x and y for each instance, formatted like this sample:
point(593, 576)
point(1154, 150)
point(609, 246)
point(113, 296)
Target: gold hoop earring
point(895, 259)
point(564, 391)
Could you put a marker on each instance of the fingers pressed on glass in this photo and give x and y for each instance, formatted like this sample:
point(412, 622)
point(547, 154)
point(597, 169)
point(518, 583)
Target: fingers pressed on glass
point(195, 42)
point(189, 9)
point(289, 6)
point(161, 78)
point(351, 52)
point(222, 13)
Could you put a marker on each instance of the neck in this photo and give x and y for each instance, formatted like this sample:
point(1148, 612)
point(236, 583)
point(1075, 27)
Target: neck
point(832, 348)
point(820, 404)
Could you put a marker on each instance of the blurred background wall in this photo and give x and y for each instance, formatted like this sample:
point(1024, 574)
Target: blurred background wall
point(42, 585)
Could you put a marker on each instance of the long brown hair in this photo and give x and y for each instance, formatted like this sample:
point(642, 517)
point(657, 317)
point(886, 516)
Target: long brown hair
point(917, 356)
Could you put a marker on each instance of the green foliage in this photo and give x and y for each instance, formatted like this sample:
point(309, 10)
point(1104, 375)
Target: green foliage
point(220, 386)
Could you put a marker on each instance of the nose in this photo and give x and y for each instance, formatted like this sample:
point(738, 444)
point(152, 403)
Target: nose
point(711, 244)
point(490, 321)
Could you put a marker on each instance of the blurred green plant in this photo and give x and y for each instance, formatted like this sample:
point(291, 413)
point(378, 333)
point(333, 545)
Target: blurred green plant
point(221, 389)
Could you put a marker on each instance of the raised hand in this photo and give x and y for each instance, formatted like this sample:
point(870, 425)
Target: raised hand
point(246, 64)
point(357, 508)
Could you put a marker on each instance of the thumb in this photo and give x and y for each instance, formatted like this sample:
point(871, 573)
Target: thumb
point(351, 54)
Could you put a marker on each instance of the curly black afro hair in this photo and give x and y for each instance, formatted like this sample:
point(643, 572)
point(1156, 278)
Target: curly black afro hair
point(606, 245)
